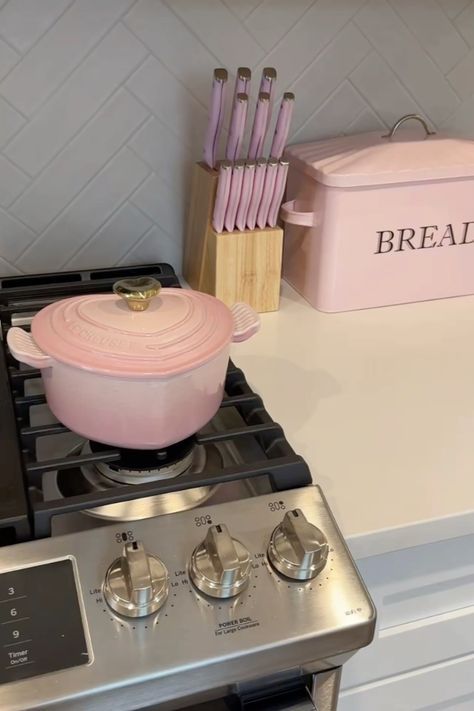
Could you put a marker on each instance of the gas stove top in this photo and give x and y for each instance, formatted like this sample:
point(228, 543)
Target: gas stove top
point(243, 591)
point(63, 474)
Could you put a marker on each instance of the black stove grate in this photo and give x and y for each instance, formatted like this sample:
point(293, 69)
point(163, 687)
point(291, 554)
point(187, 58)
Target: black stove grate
point(23, 511)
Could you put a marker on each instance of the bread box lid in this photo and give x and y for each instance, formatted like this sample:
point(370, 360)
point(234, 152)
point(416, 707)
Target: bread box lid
point(375, 158)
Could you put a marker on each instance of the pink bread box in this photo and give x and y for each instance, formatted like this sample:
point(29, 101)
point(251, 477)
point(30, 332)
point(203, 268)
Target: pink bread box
point(380, 219)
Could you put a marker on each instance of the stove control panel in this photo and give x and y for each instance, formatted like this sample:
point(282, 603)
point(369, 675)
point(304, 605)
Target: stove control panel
point(38, 632)
point(177, 605)
point(298, 549)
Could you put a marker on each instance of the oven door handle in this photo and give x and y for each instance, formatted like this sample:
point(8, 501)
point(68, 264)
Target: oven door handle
point(316, 692)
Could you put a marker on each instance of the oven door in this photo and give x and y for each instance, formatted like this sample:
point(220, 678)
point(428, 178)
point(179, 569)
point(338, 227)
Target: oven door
point(311, 692)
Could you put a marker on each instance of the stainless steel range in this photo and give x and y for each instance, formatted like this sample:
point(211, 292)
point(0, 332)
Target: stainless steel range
point(210, 575)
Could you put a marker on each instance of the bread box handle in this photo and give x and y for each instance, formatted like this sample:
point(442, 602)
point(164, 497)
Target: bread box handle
point(409, 117)
point(290, 214)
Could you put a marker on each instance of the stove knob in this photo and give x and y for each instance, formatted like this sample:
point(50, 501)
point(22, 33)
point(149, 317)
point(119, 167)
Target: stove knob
point(297, 549)
point(136, 584)
point(220, 565)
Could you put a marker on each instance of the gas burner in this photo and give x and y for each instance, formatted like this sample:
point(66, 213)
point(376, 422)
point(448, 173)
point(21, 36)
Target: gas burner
point(134, 468)
point(139, 466)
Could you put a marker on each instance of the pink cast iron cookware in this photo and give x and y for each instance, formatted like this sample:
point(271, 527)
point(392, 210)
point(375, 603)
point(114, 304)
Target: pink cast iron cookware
point(142, 368)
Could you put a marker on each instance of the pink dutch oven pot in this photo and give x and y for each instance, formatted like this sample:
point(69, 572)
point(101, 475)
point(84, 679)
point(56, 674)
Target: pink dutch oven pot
point(142, 368)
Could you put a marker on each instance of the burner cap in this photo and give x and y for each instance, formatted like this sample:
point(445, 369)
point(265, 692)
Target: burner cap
point(145, 460)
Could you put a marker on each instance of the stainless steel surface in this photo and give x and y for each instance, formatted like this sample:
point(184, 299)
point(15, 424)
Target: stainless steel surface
point(409, 117)
point(325, 691)
point(196, 647)
point(220, 565)
point(136, 584)
point(95, 478)
point(297, 548)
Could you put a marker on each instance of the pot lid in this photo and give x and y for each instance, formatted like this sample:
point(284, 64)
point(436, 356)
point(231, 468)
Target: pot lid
point(148, 332)
point(376, 159)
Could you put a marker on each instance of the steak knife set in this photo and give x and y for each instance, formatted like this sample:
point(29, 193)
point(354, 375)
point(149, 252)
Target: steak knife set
point(249, 190)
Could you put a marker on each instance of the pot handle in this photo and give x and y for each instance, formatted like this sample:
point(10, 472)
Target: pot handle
point(24, 349)
point(246, 322)
point(290, 214)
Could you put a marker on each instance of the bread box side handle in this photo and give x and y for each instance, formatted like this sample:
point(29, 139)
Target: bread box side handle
point(290, 214)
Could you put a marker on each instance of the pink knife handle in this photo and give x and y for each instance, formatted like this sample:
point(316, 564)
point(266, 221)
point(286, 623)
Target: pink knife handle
point(268, 187)
point(234, 197)
point(257, 189)
point(282, 127)
point(278, 192)
point(237, 127)
point(259, 126)
point(216, 116)
point(222, 195)
point(245, 194)
point(267, 84)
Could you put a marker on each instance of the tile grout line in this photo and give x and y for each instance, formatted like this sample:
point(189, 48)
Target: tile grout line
point(109, 218)
point(137, 242)
point(145, 214)
point(366, 101)
point(158, 118)
point(418, 43)
point(77, 66)
point(287, 31)
point(86, 184)
point(395, 73)
point(158, 59)
point(13, 217)
point(38, 39)
point(36, 177)
point(87, 122)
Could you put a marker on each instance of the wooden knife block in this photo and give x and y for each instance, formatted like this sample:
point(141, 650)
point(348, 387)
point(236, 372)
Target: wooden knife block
point(234, 266)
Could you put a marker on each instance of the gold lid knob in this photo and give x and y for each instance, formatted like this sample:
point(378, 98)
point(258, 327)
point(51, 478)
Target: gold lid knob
point(137, 293)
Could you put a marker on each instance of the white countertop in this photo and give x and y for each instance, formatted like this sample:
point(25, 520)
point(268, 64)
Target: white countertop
point(380, 403)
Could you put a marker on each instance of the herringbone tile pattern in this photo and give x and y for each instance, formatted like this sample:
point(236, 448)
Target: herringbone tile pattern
point(103, 104)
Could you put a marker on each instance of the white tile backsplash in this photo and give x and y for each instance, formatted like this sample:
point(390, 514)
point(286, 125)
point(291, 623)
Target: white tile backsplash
point(103, 104)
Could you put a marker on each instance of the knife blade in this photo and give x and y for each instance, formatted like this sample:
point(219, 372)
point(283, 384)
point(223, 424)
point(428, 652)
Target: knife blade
point(245, 195)
point(222, 195)
point(234, 195)
point(216, 116)
point(278, 192)
point(242, 81)
point(237, 127)
point(257, 189)
point(282, 127)
point(268, 187)
point(259, 128)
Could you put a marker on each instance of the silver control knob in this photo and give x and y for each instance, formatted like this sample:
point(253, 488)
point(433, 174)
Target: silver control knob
point(136, 584)
point(220, 565)
point(297, 549)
